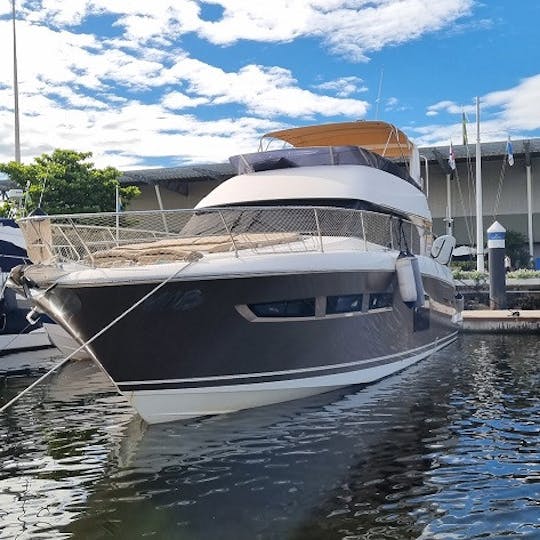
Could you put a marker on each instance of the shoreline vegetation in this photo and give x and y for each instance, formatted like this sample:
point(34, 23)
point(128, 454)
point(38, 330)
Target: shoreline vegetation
point(474, 275)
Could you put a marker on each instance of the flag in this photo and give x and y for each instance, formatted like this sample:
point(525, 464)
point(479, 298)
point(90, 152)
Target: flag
point(464, 128)
point(509, 152)
point(451, 158)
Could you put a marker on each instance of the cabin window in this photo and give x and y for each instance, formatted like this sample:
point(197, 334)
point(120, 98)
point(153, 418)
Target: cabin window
point(380, 300)
point(304, 307)
point(344, 304)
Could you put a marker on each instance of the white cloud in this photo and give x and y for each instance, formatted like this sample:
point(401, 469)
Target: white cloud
point(449, 107)
point(264, 91)
point(520, 107)
point(353, 28)
point(514, 111)
point(177, 101)
point(84, 93)
point(344, 86)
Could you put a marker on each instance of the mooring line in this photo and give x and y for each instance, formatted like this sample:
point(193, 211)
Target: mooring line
point(194, 256)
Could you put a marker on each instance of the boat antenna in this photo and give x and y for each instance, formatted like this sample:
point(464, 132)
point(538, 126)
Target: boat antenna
point(378, 100)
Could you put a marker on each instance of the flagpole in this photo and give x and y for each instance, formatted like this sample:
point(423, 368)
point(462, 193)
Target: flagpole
point(527, 148)
point(452, 165)
point(479, 215)
point(16, 89)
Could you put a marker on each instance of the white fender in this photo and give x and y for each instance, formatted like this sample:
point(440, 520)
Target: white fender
point(405, 277)
point(409, 279)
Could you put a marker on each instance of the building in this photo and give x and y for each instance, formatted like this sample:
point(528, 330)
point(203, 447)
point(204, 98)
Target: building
point(505, 193)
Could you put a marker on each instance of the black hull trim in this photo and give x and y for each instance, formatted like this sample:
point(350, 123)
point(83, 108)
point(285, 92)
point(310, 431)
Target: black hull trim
point(205, 382)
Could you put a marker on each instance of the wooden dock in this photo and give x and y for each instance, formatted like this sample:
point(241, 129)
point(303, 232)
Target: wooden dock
point(501, 321)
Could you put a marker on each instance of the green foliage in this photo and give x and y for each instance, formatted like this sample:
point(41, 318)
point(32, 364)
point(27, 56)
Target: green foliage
point(482, 277)
point(67, 183)
point(464, 266)
point(5, 209)
point(479, 278)
point(524, 273)
point(516, 248)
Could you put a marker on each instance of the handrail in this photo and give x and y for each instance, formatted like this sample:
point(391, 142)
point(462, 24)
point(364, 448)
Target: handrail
point(90, 238)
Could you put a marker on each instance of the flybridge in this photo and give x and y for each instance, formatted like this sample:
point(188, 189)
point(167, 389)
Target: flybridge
point(315, 156)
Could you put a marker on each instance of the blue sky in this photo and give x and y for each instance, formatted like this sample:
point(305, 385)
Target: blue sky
point(163, 83)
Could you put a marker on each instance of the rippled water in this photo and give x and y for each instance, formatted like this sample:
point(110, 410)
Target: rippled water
point(447, 449)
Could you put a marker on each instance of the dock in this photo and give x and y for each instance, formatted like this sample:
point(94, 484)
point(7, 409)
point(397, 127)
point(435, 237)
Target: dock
point(501, 321)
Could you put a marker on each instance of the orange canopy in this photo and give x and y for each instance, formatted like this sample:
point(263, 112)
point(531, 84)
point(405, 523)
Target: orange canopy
point(380, 137)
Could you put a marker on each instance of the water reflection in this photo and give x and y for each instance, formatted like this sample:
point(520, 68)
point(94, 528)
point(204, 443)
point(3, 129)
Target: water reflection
point(447, 449)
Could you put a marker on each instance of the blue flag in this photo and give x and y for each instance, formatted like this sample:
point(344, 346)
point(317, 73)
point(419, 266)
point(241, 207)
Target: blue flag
point(510, 152)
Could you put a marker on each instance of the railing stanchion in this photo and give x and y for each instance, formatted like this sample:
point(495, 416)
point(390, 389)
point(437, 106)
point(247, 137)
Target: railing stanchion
point(73, 226)
point(229, 232)
point(363, 229)
point(70, 243)
point(319, 233)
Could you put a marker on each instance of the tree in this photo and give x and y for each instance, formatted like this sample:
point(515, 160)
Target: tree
point(516, 248)
point(64, 182)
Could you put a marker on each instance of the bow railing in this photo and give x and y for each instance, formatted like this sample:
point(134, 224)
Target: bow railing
point(145, 237)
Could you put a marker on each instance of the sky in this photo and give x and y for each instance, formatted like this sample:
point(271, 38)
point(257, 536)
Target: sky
point(165, 83)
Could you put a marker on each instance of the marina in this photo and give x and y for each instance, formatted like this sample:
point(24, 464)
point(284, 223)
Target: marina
point(446, 449)
point(237, 305)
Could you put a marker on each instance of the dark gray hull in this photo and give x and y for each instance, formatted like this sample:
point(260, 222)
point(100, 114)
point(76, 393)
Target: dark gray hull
point(190, 349)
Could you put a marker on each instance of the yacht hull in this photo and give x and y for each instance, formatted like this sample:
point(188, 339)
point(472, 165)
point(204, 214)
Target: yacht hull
point(194, 347)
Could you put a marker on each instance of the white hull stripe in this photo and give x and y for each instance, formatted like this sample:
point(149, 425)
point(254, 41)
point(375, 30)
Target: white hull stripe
point(166, 405)
point(267, 376)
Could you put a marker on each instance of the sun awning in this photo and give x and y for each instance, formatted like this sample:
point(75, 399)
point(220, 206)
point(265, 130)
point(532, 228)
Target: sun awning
point(380, 137)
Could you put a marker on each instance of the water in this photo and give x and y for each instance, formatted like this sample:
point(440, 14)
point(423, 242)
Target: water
point(447, 449)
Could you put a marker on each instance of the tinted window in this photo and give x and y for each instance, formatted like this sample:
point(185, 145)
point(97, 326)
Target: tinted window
point(286, 308)
point(380, 300)
point(344, 304)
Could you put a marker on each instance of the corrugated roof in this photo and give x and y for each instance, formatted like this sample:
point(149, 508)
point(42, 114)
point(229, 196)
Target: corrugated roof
point(189, 173)
point(488, 149)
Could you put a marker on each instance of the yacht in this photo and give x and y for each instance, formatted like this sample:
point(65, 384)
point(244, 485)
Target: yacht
point(17, 333)
point(313, 268)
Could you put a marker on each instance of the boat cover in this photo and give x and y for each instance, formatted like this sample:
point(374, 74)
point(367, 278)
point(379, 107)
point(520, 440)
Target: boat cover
point(286, 158)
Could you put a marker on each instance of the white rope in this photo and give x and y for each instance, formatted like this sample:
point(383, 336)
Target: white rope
point(95, 336)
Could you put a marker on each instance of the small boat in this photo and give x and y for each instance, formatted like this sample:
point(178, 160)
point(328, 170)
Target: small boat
point(313, 268)
point(17, 333)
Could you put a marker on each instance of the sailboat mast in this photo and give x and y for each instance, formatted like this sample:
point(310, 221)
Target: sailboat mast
point(479, 217)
